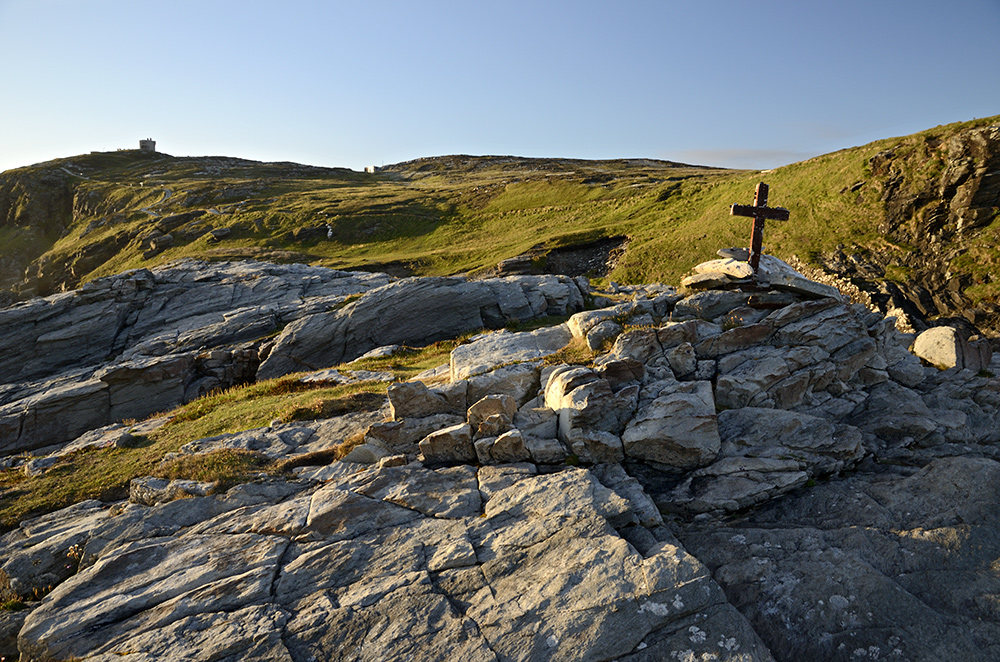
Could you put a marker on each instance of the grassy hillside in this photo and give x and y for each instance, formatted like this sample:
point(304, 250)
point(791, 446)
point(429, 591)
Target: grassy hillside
point(71, 220)
point(421, 218)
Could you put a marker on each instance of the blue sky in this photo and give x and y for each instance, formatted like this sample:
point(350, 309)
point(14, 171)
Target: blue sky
point(714, 82)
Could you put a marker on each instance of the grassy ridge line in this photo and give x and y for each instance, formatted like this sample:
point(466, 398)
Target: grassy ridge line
point(438, 223)
point(464, 214)
point(434, 224)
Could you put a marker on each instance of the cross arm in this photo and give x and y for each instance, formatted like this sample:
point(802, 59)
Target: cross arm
point(770, 213)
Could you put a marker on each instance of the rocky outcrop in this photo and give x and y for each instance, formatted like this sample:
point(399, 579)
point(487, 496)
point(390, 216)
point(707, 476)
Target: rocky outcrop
point(148, 340)
point(417, 311)
point(938, 194)
point(827, 497)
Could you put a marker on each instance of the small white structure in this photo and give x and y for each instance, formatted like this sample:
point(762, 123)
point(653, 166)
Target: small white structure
point(371, 169)
point(147, 145)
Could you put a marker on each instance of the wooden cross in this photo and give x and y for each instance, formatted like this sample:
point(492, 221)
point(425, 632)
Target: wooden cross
point(759, 211)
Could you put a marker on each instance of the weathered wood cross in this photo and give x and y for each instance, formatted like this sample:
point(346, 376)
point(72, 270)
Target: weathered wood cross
point(759, 211)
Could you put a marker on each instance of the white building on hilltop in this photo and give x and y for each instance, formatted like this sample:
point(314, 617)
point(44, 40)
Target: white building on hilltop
point(147, 145)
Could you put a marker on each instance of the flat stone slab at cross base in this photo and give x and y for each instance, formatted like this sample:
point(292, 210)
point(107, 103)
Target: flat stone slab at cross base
point(711, 280)
point(734, 268)
point(802, 285)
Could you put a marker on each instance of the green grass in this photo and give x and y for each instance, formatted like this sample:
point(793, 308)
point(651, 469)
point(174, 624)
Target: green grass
point(105, 473)
point(434, 222)
point(464, 214)
point(225, 467)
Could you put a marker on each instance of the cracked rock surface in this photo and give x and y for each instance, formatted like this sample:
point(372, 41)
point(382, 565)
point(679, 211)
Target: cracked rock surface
point(385, 564)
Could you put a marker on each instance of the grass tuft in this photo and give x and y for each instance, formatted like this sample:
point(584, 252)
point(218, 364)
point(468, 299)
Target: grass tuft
point(224, 467)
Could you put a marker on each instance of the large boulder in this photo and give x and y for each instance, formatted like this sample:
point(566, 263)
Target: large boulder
point(415, 311)
point(945, 347)
point(676, 426)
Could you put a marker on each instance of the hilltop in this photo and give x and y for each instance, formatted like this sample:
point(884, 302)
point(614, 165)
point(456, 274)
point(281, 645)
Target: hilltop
point(906, 224)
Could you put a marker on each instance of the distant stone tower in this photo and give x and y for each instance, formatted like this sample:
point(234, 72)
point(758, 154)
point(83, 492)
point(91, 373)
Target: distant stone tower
point(147, 145)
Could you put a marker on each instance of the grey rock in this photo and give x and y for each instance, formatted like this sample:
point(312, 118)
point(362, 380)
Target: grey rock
point(37, 466)
point(403, 436)
point(334, 431)
point(733, 340)
point(829, 329)
point(493, 350)
point(492, 479)
point(581, 323)
point(415, 311)
point(541, 422)
point(817, 445)
point(139, 386)
point(155, 337)
point(147, 585)
point(11, 622)
point(520, 381)
point(502, 406)
point(708, 305)
point(871, 566)
point(904, 367)
point(600, 334)
point(366, 454)
point(150, 491)
point(55, 415)
point(710, 280)
point(35, 556)
point(272, 441)
point(799, 285)
point(751, 373)
point(446, 493)
point(594, 446)
point(705, 370)
point(682, 359)
point(414, 399)
point(508, 447)
point(894, 413)
point(640, 345)
point(586, 404)
point(766, 453)
point(452, 444)
point(622, 373)
point(545, 450)
point(678, 428)
point(729, 266)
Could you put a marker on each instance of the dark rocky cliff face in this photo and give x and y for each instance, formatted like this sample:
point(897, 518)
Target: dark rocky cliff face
point(941, 198)
point(35, 207)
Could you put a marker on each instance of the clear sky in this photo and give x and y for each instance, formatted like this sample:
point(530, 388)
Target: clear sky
point(736, 83)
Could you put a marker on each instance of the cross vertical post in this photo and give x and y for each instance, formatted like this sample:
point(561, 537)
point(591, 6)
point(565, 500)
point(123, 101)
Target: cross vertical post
point(758, 211)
